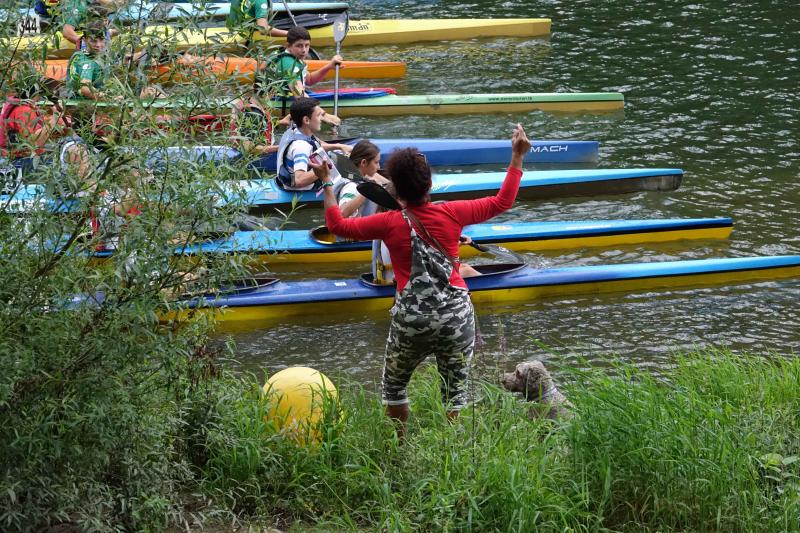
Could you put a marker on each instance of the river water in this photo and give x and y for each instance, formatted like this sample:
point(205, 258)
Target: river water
point(710, 87)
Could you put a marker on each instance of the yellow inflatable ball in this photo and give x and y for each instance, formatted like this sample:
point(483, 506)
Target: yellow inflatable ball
point(298, 396)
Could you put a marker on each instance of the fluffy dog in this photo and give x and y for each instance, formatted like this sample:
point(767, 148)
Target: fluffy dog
point(535, 383)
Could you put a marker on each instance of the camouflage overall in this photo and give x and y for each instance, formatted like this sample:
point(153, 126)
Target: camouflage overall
point(429, 317)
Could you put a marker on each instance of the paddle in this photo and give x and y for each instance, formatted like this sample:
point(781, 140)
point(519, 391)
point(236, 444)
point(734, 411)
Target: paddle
point(311, 52)
point(340, 27)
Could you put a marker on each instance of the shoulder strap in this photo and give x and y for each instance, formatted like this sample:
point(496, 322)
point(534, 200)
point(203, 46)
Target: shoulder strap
point(412, 218)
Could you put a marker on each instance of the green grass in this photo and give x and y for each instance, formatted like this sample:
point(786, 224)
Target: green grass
point(710, 445)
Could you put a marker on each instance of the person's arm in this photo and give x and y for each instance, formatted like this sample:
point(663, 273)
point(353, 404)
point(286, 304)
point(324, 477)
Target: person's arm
point(70, 34)
point(475, 211)
point(365, 228)
point(40, 138)
point(258, 149)
point(317, 76)
point(352, 205)
point(269, 30)
point(344, 148)
point(304, 175)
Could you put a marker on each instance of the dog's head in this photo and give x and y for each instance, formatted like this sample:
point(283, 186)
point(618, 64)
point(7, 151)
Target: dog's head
point(530, 378)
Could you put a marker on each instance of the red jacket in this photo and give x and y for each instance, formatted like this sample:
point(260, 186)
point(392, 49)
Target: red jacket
point(443, 221)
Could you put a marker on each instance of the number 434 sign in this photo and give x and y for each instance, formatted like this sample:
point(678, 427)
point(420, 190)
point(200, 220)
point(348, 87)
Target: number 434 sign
point(29, 24)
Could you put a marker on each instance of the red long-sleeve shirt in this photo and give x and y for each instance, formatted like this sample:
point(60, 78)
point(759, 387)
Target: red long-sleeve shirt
point(443, 221)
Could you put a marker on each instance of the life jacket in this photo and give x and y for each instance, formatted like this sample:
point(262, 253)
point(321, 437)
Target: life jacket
point(285, 176)
point(7, 137)
point(275, 73)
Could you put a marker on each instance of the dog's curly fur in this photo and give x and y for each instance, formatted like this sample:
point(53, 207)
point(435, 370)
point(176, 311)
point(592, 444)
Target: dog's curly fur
point(532, 379)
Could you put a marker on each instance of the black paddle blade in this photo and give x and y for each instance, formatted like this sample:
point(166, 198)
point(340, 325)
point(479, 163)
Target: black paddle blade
point(375, 193)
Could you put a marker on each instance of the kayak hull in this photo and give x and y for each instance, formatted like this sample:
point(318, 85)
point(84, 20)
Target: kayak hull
point(300, 247)
point(285, 299)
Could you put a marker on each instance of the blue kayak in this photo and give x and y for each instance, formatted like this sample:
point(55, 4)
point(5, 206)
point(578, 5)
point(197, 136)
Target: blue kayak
point(267, 299)
point(264, 194)
point(439, 152)
point(319, 246)
point(461, 152)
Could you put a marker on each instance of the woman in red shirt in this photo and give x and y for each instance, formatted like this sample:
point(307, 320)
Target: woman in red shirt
point(432, 314)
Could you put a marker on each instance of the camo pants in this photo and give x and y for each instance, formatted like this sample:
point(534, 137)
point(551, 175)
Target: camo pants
point(429, 317)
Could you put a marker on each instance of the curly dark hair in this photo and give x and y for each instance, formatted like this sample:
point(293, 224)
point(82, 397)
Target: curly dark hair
point(409, 171)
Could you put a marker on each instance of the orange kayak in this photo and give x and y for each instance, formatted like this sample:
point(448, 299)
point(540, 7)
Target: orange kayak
point(243, 68)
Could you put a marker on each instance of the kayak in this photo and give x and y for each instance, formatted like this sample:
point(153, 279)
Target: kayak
point(138, 11)
point(276, 300)
point(320, 246)
point(360, 32)
point(243, 68)
point(450, 104)
point(439, 152)
point(217, 10)
point(442, 104)
point(265, 194)
point(458, 152)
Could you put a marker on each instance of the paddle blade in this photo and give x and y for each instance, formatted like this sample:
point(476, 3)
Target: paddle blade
point(375, 193)
point(340, 26)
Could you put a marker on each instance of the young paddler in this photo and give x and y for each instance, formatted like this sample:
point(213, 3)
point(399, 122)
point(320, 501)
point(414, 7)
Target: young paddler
point(300, 145)
point(76, 15)
point(86, 72)
point(244, 13)
point(289, 70)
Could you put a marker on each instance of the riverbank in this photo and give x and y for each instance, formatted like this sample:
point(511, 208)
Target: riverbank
point(711, 444)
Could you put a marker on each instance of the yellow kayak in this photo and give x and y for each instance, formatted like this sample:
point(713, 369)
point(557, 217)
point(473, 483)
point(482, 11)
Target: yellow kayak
point(361, 32)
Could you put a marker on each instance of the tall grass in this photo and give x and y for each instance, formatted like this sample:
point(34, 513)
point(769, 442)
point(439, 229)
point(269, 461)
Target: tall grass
point(711, 445)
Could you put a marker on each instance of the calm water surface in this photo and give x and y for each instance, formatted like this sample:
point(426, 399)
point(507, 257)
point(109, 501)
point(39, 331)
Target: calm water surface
point(710, 87)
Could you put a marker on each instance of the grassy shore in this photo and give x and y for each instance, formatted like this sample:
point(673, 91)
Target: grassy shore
point(711, 444)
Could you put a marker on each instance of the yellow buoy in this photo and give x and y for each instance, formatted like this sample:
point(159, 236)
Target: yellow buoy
point(298, 396)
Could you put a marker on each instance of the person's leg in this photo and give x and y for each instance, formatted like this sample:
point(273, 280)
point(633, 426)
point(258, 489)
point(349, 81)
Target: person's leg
point(454, 355)
point(400, 361)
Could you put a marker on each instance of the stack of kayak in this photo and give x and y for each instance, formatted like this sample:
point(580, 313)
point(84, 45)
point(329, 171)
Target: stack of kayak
point(264, 298)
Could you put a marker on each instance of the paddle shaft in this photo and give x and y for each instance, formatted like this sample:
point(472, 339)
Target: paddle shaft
point(336, 83)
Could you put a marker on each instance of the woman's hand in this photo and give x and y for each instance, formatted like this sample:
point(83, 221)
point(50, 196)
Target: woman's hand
point(520, 146)
point(320, 170)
